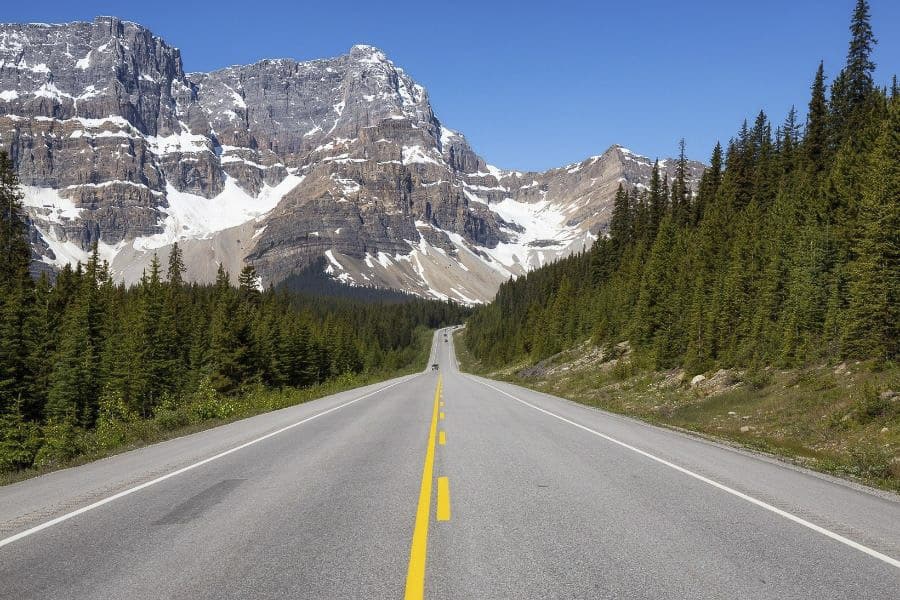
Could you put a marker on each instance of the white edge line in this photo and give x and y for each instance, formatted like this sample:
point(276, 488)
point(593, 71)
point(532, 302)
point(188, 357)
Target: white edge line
point(137, 488)
point(791, 517)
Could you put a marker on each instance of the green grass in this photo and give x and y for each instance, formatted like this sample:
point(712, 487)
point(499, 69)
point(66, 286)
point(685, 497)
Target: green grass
point(822, 417)
point(204, 410)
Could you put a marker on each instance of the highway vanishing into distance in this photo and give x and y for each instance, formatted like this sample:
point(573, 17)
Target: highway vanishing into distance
point(444, 485)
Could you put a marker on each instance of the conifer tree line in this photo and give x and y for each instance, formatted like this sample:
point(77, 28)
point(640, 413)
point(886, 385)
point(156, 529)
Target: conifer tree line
point(83, 351)
point(787, 252)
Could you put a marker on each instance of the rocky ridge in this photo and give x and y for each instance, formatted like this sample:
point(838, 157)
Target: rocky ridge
point(275, 164)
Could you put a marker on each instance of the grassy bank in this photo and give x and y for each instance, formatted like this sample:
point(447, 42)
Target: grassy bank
point(118, 431)
point(843, 419)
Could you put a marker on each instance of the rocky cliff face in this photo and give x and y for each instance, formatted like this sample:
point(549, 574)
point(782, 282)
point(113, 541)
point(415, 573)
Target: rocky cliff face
point(276, 164)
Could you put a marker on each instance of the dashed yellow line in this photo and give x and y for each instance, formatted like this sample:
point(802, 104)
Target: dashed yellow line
point(415, 574)
point(443, 500)
point(442, 438)
point(442, 416)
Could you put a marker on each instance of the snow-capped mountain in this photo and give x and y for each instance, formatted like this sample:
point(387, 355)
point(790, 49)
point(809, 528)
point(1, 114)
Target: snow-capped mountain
point(276, 164)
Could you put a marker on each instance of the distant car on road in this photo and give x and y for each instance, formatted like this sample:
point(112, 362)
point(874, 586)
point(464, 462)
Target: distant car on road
point(434, 367)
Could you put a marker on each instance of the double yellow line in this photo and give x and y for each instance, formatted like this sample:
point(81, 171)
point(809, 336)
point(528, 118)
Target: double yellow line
point(415, 575)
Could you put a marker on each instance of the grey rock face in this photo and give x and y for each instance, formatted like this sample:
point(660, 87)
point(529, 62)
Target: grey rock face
point(277, 164)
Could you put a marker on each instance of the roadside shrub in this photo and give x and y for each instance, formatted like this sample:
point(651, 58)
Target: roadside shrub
point(869, 460)
point(63, 441)
point(171, 414)
point(20, 441)
point(115, 421)
point(757, 378)
point(872, 405)
point(207, 404)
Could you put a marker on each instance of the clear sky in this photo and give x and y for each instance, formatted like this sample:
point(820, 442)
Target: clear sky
point(535, 84)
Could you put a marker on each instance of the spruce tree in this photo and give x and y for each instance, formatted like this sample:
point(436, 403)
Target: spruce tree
point(709, 184)
point(155, 370)
point(15, 254)
point(788, 140)
point(859, 69)
point(873, 313)
point(681, 192)
point(16, 293)
point(72, 383)
point(248, 283)
point(176, 268)
point(620, 222)
point(815, 141)
point(656, 200)
point(853, 90)
point(19, 439)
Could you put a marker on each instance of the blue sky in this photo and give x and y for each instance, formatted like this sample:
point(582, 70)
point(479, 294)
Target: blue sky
point(540, 84)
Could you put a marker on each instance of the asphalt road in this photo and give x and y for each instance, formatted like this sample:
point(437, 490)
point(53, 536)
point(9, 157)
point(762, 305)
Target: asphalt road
point(448, 486)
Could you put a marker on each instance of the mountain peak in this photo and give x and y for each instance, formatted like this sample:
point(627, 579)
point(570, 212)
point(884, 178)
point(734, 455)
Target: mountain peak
point(368, 54)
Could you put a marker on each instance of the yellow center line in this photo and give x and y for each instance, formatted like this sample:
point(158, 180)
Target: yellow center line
point(442, 438)
point(443, 501)
point(442, 416)
point(415, 574)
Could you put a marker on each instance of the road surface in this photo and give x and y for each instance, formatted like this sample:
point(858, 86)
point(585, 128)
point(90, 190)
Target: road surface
point(444, 485)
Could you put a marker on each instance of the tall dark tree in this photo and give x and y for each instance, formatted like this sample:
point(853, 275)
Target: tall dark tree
point(620, 221)
point(815, 141)
point(709, 184)
point(681, 191)
point(858, 72)
point(16, 294)
point(248, 283)
point(176, 268)
point(853, 88)
point(657, 202)
point(15, 254)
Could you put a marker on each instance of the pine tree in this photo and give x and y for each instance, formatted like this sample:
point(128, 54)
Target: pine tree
point(16, 346)
point(248, 283)
point(157, 357)
point(655, 286)
point(176, 268)
point(620, 222)
point(788, 140)
point(223, 281)
point(72, 384)
point(709, 184)
point(860, 67)
point(853, 90)
point(681, 192)
point(16, 293)
point(766, 172)
point(657, 200)
point(42, 327)
point(176, 320)
point(873, 312)
point(738, 177)
point(19, 439)
point(15, 254)
point(815, 141)
point(228, 359)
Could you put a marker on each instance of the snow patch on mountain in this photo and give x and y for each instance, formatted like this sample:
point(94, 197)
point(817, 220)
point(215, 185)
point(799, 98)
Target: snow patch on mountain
point(189, 216)
point(49, 204)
